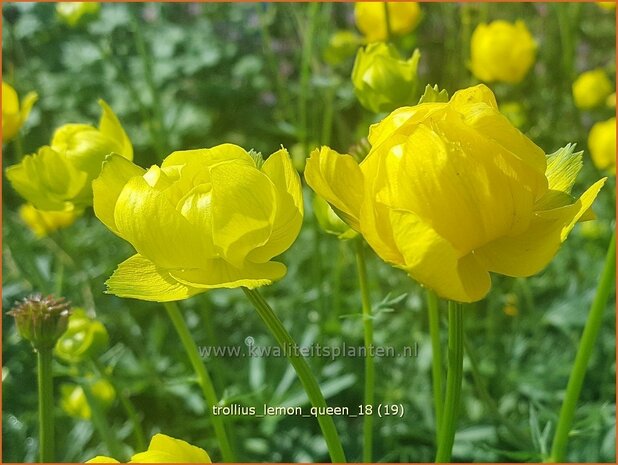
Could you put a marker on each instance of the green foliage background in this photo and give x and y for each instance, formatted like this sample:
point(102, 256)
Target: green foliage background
point(195, 75)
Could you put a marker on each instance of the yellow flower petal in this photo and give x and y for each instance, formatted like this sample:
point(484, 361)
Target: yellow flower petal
point(164, 449)
point(243, 210)
point(434, 261)
point(110, 126)
point(337, 179)
point(139, 278)
point(287, 223)
point(43, 222)
point(218, 273)
point(115, 173)
point(528, 253)
point(102, 459)
point(145, 217)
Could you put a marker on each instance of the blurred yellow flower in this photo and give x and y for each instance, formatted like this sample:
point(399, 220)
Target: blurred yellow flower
point(591, 89)
point(58, 177)
point(164, 449)
point(205, 219)
point(14, 114)
point(452, 191)
point(602, 144)
point(72, 13)
point(611, 100)
point(371, 19)
point(84, 339)
point(383, 80)
point(607, 5)
point(74, 402)
point(43, 222)
point(502, 51)
point(341, 46)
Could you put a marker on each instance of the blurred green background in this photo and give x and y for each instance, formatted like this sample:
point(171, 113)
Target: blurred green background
point(191, 75)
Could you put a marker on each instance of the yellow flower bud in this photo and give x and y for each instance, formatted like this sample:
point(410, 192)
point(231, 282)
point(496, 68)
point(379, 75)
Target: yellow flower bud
point(84, 339)
point(452, 191)
point(602, 144)
point(591, 89)
point(371, 19)
point(341, 46)
point(329, 221)
point(74, 13)
point(207, 218)
point(43, 222)
point(74, 402)
point(382, 80)
point(14, 114)
point(501, 51)
point(58, 177)
point(164, 449)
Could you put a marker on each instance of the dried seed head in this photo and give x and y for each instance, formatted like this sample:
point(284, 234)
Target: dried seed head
point(41, 320)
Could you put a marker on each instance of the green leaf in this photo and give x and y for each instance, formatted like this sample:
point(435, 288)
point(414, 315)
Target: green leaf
point(434, 94)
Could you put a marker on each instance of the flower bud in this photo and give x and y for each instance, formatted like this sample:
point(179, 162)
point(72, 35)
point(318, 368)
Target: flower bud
point(591, 89)
point(382, 80)
point(329, 221)
point(59, 177)
point(501, 51)
point(41, 320)
point(403, 17)
point(75, 13)
point(74, 402)
point(43, 222)
point(14, 113)
point(602, 144)
point(85, 338)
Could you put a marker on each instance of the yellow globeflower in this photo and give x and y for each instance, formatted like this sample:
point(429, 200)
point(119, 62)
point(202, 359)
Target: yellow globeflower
point(591, 89)
point(14, 115)
point(602, 144)
point(74, 402)
point(371, 19)
point(164, 449)
point(205, 219)
point(502, 51)
point(72, 13)
point(58, 177)
point(451, 191)
point(43, 222)
point(383, 80)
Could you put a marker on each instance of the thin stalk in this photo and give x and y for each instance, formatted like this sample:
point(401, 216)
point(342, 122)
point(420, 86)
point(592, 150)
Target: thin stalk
point(203, 377)
point(305, 74)
point(584, 352)
point(312, 388)
point(454, 380)
point(160, 133)
point(369, 362)
point(46, 405)
point(436, 358)
point(101, 424)
point(387, 21)
point(127, 405)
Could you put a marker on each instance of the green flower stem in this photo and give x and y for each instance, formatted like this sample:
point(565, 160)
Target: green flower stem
point(101, 424)
point(387, 20)
point(46, 405)
point(584, 351)
point(454, 379)
point(305, 74)
point(127, 405)
point(369, 362)
point(203, 377)
point(302, 369)
point(436, 358)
